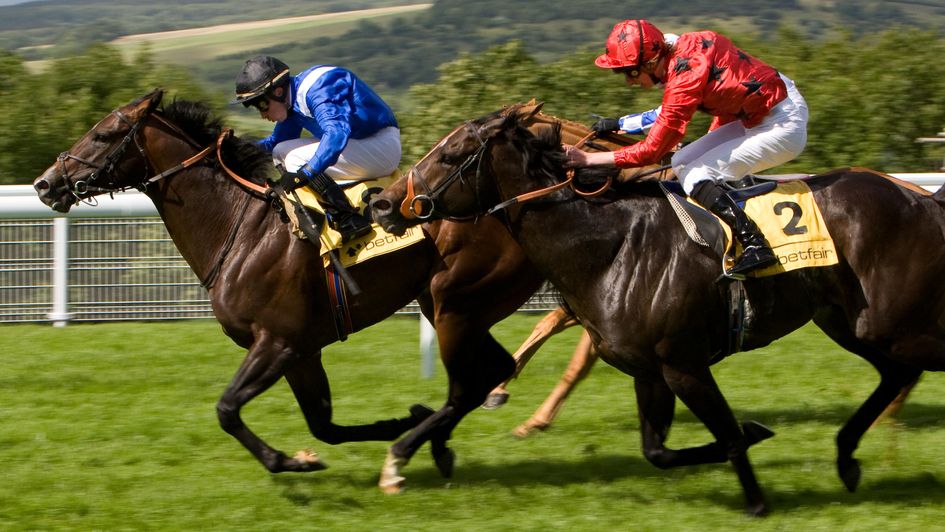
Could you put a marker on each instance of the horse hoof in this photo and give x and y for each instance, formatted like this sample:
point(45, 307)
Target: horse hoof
point(495, 400)
point(528, 428)
point(757, 510)
point(393, 485)
point(444, 461)
point(306, 461)
point(756, 432)
point(849, 470)
point(391, 481)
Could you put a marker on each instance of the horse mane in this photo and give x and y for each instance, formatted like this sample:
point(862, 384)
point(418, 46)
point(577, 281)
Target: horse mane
point(242, 156)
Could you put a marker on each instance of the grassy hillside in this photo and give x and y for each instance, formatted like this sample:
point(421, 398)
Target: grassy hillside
point(394, 51)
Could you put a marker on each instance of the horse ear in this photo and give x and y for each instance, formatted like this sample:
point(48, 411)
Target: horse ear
point(526, 112)
point(154, 98)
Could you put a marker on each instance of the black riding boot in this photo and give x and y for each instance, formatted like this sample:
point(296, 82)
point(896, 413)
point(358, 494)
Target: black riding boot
point(345, 218)
point(756, 253)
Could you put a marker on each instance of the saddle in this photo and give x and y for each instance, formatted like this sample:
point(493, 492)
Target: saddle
point(376, 243)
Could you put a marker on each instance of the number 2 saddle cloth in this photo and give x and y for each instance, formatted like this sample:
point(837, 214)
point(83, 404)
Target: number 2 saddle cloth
point(788, 217)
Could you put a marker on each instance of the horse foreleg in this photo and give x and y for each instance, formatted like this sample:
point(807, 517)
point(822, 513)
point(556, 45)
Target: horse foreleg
point(265, 363)
point(580, 365)
point(700, 393)
point(554, 322)
point(307, 378)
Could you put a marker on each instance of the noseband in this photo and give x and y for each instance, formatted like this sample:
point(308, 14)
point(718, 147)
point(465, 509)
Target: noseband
point(414, 205)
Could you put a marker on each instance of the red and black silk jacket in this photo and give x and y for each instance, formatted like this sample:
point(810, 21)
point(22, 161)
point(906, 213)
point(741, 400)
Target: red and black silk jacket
point(706, 72)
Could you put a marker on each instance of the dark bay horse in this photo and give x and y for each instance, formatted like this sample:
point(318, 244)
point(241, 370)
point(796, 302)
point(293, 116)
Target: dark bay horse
point(649, 298)
point(268, 289)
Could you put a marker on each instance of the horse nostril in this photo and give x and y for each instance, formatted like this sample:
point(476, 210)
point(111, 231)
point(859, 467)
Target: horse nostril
point(41, 185)
point(380, 205)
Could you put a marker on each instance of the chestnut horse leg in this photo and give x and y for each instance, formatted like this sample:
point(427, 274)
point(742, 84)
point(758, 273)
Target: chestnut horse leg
point(554, 322)
point(581, 363)
point(896, 406)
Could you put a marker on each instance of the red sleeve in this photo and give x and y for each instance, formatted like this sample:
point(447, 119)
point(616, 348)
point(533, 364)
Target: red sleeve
point(686, 79)
point(659, 141)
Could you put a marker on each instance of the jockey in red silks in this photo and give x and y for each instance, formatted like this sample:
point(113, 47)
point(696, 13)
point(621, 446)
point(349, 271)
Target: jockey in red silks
point(760, 119)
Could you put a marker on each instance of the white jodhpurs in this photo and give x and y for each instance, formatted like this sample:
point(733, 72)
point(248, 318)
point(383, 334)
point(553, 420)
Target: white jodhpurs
point(732, 151)
point(375, 156)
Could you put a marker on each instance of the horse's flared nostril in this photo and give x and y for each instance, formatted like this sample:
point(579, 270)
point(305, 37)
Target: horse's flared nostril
point(381, 206)
point(41, 186)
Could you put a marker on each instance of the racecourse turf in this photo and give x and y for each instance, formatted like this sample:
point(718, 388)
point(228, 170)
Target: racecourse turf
point(113, 427)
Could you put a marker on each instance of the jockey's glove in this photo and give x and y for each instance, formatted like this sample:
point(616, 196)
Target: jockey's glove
point(292, 180)
point(606, 125)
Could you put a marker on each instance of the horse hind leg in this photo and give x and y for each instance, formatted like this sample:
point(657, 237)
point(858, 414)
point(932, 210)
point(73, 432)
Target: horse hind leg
point(553, 323)
point(895, 378)
point(583, 359)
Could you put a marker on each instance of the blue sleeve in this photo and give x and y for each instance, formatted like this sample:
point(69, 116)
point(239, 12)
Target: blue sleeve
point(639, 122)
point(282, 132)
point(330, 104)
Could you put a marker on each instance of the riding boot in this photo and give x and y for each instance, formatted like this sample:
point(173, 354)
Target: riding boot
point(344, 217)
point(756, 253)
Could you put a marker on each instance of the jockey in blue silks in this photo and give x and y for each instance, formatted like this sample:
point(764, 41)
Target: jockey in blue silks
point(354, 132)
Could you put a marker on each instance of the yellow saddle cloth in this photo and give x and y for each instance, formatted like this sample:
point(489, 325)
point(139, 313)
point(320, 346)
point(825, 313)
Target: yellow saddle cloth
point(794, 227)
point(367, 247)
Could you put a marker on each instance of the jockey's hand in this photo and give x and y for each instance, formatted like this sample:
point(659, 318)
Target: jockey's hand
point(292, 180)
point(606, 125)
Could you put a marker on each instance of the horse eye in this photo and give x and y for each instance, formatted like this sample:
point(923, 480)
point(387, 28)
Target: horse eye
point(450, 159)
point(99, 137)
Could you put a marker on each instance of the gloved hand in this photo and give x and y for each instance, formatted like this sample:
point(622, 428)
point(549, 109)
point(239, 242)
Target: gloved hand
point(292, 180)
point(606, 125)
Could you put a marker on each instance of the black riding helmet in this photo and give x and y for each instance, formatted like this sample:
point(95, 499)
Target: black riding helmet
point(259, 77)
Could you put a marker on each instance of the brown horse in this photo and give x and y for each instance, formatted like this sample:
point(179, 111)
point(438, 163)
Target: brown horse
point(649, 298)
point(268, 289)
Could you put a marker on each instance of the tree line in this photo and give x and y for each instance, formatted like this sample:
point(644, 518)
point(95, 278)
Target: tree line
point(870, 97)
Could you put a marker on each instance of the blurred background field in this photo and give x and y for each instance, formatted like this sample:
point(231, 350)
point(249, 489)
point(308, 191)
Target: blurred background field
point(112, 426)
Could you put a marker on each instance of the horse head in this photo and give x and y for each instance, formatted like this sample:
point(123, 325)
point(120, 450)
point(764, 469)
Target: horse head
point(100, 162)
point(453, 181)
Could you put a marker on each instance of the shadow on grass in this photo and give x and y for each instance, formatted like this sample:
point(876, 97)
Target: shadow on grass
point(913, 415)
point(918, 489)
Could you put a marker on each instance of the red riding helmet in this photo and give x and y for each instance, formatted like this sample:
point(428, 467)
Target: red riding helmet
point(631, 44)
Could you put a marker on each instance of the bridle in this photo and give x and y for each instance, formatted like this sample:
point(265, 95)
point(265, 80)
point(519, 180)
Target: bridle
point(103, 177)
point(423, 206)
point(414, 204)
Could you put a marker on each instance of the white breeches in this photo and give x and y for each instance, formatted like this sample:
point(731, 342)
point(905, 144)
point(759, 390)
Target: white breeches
point(375, 156)
point(732, 151)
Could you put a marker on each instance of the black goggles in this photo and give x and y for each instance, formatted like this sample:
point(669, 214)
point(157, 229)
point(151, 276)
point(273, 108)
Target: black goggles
point(631, 72)
point(261, 103)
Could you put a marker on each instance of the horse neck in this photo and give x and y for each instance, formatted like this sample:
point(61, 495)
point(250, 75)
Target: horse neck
point(200, 206)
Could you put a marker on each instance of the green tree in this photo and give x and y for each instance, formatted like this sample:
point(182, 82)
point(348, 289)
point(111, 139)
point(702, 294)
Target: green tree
point(44, 113)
